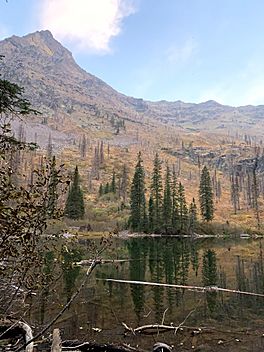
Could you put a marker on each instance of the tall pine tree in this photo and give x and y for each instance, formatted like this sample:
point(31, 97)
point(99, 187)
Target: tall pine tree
point(74, 208)
point(137, 198)
point(167, 201)
point(182, 209)
point(150, 214)
point(192, 216)
point(206, 196)
point(175, 203)
point(113, 183)
point(156, 193)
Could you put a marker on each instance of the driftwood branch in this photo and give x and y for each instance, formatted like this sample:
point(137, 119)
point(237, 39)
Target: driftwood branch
point(24, 329)
point(28, 335)
point(185, 287)
point(94, 263)
point(150, 329)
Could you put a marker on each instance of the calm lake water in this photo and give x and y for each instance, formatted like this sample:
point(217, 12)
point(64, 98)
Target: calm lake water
point(228, 322)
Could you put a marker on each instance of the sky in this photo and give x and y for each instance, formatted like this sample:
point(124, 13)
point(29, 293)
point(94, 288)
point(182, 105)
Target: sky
point(189, 50)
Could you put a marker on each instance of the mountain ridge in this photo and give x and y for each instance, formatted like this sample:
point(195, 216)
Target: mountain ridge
point(57, 85)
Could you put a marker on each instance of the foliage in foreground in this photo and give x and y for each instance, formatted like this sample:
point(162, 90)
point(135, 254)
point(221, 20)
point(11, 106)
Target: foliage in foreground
point(25, 205)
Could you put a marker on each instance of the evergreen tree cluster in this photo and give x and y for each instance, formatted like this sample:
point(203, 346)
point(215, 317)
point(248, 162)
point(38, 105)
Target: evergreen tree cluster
point(166, 210)
point(74, 208)
point(108, 187)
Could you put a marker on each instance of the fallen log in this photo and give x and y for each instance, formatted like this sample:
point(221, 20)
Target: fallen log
point(185, 287)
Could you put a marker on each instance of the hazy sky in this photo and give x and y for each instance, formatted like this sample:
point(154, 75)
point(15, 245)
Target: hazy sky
point(192, 50)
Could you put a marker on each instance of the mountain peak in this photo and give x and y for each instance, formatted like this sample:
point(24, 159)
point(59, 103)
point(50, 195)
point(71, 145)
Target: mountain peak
point(45, 42)
point(210, 103)
point(45, 33)
point(41, 42)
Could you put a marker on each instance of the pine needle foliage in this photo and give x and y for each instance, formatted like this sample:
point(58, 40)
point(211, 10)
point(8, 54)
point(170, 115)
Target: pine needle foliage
point(74, 208)
point(156, 192)
point(206, 196)
point(137, 198)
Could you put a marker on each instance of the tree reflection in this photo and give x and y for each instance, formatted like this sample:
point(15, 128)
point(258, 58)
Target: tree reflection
point(137, 268)
point(209, 272)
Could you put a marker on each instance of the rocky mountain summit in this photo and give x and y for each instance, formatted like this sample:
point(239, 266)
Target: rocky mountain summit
point(52, 79)
point(60, 89)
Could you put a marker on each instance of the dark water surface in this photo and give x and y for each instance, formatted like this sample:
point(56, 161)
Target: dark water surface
point(228, 322)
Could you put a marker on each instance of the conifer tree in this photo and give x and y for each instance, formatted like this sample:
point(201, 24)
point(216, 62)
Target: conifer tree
point(113, 183)
point(156, 192)
point(255, 190)
point(150, 214)
point(101, 191)
point(167, 200)
point(145, 221)
point(137, 198)
point(182, 210)
point(107, 188)
point(74, 208)
point(192, 216)
point(206, 196)
point(175, 205)
point(102, 153)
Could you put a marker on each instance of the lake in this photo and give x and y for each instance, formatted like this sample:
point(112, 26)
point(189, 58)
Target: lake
point(207, 321)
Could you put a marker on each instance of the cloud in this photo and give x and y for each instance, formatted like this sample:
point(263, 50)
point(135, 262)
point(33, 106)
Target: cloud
point(177, 54)
point(88, 24)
